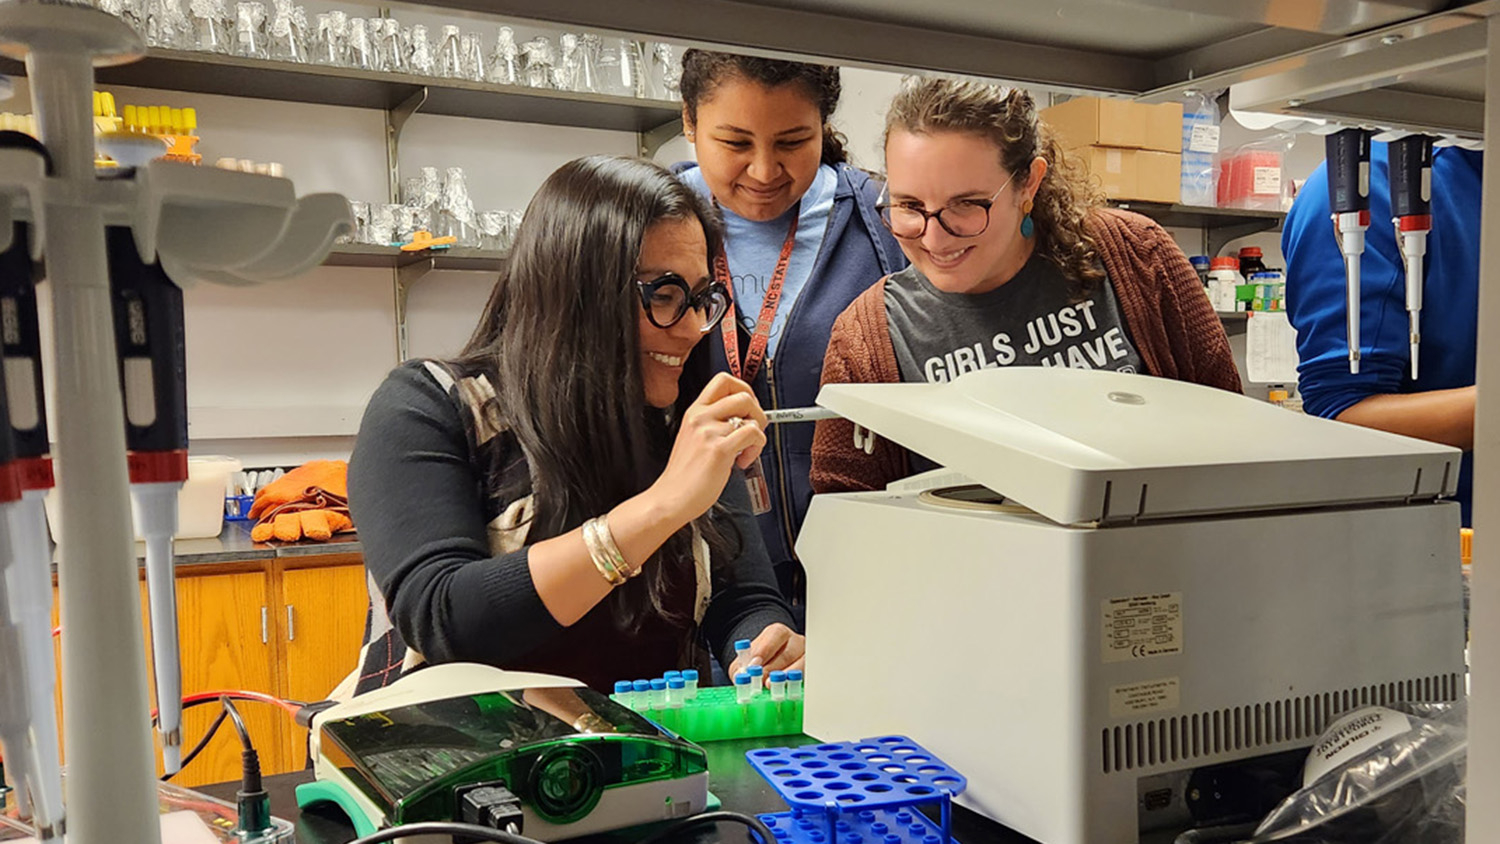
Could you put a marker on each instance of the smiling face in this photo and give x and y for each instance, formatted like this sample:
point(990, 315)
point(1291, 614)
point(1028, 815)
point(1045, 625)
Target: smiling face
point(680, 247)
point(758, 148)
point(938, 169)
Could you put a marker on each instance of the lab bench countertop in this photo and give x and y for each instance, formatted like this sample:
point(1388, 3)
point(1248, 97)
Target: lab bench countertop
point(234, 545)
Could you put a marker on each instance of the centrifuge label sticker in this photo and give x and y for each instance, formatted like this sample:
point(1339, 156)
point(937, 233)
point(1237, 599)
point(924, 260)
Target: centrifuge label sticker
point(1142, 626)
point(1138, 698)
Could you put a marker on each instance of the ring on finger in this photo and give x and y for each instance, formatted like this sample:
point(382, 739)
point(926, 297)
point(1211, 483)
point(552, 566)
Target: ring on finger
point(735, 422)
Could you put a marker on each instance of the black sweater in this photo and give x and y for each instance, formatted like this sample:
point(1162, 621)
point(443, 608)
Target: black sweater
point(419, 504)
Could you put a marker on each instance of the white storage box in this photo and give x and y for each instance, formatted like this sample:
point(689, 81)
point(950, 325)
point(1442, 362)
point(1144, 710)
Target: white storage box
point(200, 502)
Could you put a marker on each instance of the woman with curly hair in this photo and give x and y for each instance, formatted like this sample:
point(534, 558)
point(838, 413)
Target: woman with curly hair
point(1014, 262)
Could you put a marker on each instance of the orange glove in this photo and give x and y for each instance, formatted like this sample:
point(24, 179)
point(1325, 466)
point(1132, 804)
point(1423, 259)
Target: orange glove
point(290, 526)
point(309, 502)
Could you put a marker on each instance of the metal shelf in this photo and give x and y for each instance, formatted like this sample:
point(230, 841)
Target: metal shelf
point(210, 73)
point(391, 257)
point(399, 96)
point(1219, 225)
point(228, 75)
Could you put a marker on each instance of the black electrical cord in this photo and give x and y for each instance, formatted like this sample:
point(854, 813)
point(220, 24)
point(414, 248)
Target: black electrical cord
point(251, 801)
point(239, 723)
point(466, 830)
point(198, 748)
point(484, 833)
point(755, 824)
point(1225, 834)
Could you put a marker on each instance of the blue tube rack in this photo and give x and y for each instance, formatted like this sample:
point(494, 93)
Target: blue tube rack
point(859, 792)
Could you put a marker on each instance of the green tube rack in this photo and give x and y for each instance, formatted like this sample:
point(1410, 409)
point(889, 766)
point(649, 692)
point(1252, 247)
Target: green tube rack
point(714, 715)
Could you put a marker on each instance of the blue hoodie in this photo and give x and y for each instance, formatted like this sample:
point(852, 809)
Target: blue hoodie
point(857, 251)
point(1315, 293)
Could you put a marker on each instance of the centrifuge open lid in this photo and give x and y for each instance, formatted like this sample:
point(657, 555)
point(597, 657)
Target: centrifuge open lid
point(1082, 446)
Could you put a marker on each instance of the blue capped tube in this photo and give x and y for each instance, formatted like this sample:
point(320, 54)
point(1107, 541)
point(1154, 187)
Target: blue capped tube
point(676, 692)
point(690, 682)
point(742, 688)
point(778, 686)
point(794, 684)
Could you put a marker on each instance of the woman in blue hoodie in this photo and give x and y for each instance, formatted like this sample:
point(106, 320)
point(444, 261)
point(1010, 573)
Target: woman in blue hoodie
point(802, 240)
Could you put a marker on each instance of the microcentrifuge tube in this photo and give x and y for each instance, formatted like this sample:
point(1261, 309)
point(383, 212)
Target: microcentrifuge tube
point(676, 692)
point(625, 692)
point(794, 684)
point(778, 685)
point(642, 695)
point(658, 693)
point(757, 679)
point(690, 680)
point(742, 688)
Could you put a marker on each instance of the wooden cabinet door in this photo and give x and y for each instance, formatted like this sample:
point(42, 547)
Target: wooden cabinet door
point(322, 621)
point(227, 643)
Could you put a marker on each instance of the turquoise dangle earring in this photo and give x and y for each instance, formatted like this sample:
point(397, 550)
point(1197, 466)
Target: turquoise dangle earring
point(1028, 227)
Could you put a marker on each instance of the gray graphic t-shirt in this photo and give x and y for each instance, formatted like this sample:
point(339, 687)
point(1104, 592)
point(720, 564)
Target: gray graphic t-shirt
point(1030, 320)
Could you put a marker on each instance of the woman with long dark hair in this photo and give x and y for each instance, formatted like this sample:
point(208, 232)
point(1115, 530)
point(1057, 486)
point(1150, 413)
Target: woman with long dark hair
point(565, 496)
point(802, 240)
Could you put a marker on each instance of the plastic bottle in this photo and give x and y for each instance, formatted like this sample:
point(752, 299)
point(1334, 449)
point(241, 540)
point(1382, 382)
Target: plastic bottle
point(1223, 276)
point(1201, 264)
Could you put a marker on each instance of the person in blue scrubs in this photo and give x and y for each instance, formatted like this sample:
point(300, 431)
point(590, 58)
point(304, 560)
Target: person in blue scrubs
point(1439, 404)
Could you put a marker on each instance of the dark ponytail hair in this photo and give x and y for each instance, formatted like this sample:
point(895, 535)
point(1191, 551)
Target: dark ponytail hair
point(559, 341)
point(703, 71)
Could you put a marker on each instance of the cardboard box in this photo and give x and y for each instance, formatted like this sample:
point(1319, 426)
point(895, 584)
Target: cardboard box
point(1164, 127)
point(1091, 121)
point(1144, 175)
point(1160, 178)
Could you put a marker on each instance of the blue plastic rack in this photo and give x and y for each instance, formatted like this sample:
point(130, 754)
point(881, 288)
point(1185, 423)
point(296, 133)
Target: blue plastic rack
point(859, 792)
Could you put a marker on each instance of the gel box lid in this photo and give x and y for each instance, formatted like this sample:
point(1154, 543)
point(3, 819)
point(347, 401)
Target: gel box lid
point(1084, 446)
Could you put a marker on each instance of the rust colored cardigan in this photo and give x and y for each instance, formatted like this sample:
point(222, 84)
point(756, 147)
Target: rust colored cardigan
point(1169, 318)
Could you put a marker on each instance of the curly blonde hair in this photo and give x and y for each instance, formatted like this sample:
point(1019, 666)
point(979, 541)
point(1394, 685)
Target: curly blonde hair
point(1008, 118)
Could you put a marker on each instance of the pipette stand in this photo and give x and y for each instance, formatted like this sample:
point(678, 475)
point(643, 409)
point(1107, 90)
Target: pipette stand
point(203, 225)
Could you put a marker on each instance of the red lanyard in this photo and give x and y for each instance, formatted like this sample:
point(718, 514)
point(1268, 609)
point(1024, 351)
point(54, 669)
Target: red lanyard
point(762, 336)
